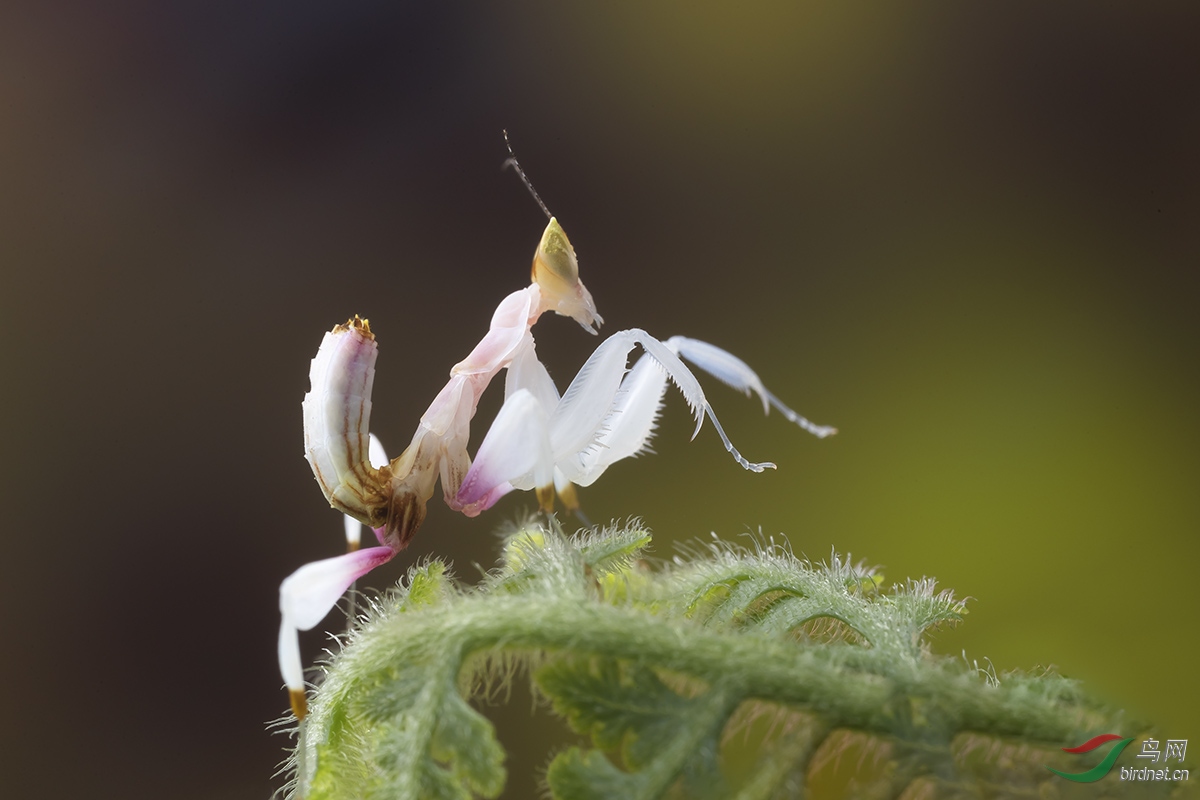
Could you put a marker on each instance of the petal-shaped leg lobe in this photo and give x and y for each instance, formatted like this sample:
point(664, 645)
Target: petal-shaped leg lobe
point(305, 597)
point(516, 450)
point(309, 593)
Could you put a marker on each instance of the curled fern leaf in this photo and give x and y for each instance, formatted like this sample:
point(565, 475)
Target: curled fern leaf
point(656, 666)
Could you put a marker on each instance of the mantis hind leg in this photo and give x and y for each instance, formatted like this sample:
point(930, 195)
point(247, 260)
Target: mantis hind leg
point(735, 373)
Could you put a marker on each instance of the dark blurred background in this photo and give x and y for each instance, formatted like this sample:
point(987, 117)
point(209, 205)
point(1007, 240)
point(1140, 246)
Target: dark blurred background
point(966, 234)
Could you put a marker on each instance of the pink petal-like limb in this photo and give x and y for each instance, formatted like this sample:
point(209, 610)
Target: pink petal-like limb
point(516, 451)
point(486, 501)
point(510, 323)
point(305, 597)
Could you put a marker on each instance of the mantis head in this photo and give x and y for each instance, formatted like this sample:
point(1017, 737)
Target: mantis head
point(556, 272)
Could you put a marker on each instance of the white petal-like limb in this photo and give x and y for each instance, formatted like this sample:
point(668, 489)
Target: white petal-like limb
point(306, 596)
point(605, 415)
point(292, 667)
point(733, 372)
point(630, 424)
point(590, 399)
point(353, 532)
point(590, 412)
point(516, 451)
point(309, 593)
point(527, 372)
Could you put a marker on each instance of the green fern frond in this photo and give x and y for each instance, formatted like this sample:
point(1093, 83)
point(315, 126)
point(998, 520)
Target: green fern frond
point(656, 666)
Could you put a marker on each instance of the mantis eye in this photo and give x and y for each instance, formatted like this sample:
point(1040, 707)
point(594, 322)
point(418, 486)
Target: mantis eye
point(556, 272)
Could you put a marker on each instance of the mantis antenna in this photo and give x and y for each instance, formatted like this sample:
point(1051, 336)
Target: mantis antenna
point(512, 161)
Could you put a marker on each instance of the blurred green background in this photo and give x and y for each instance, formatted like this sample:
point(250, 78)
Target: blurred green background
point(965, 234)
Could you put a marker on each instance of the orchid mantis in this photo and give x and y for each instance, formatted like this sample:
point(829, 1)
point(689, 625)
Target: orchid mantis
point(539, 440)
point(391, 498)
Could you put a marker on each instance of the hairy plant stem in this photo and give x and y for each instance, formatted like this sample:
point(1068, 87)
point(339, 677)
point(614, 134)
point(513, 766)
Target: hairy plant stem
point(833, 680)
